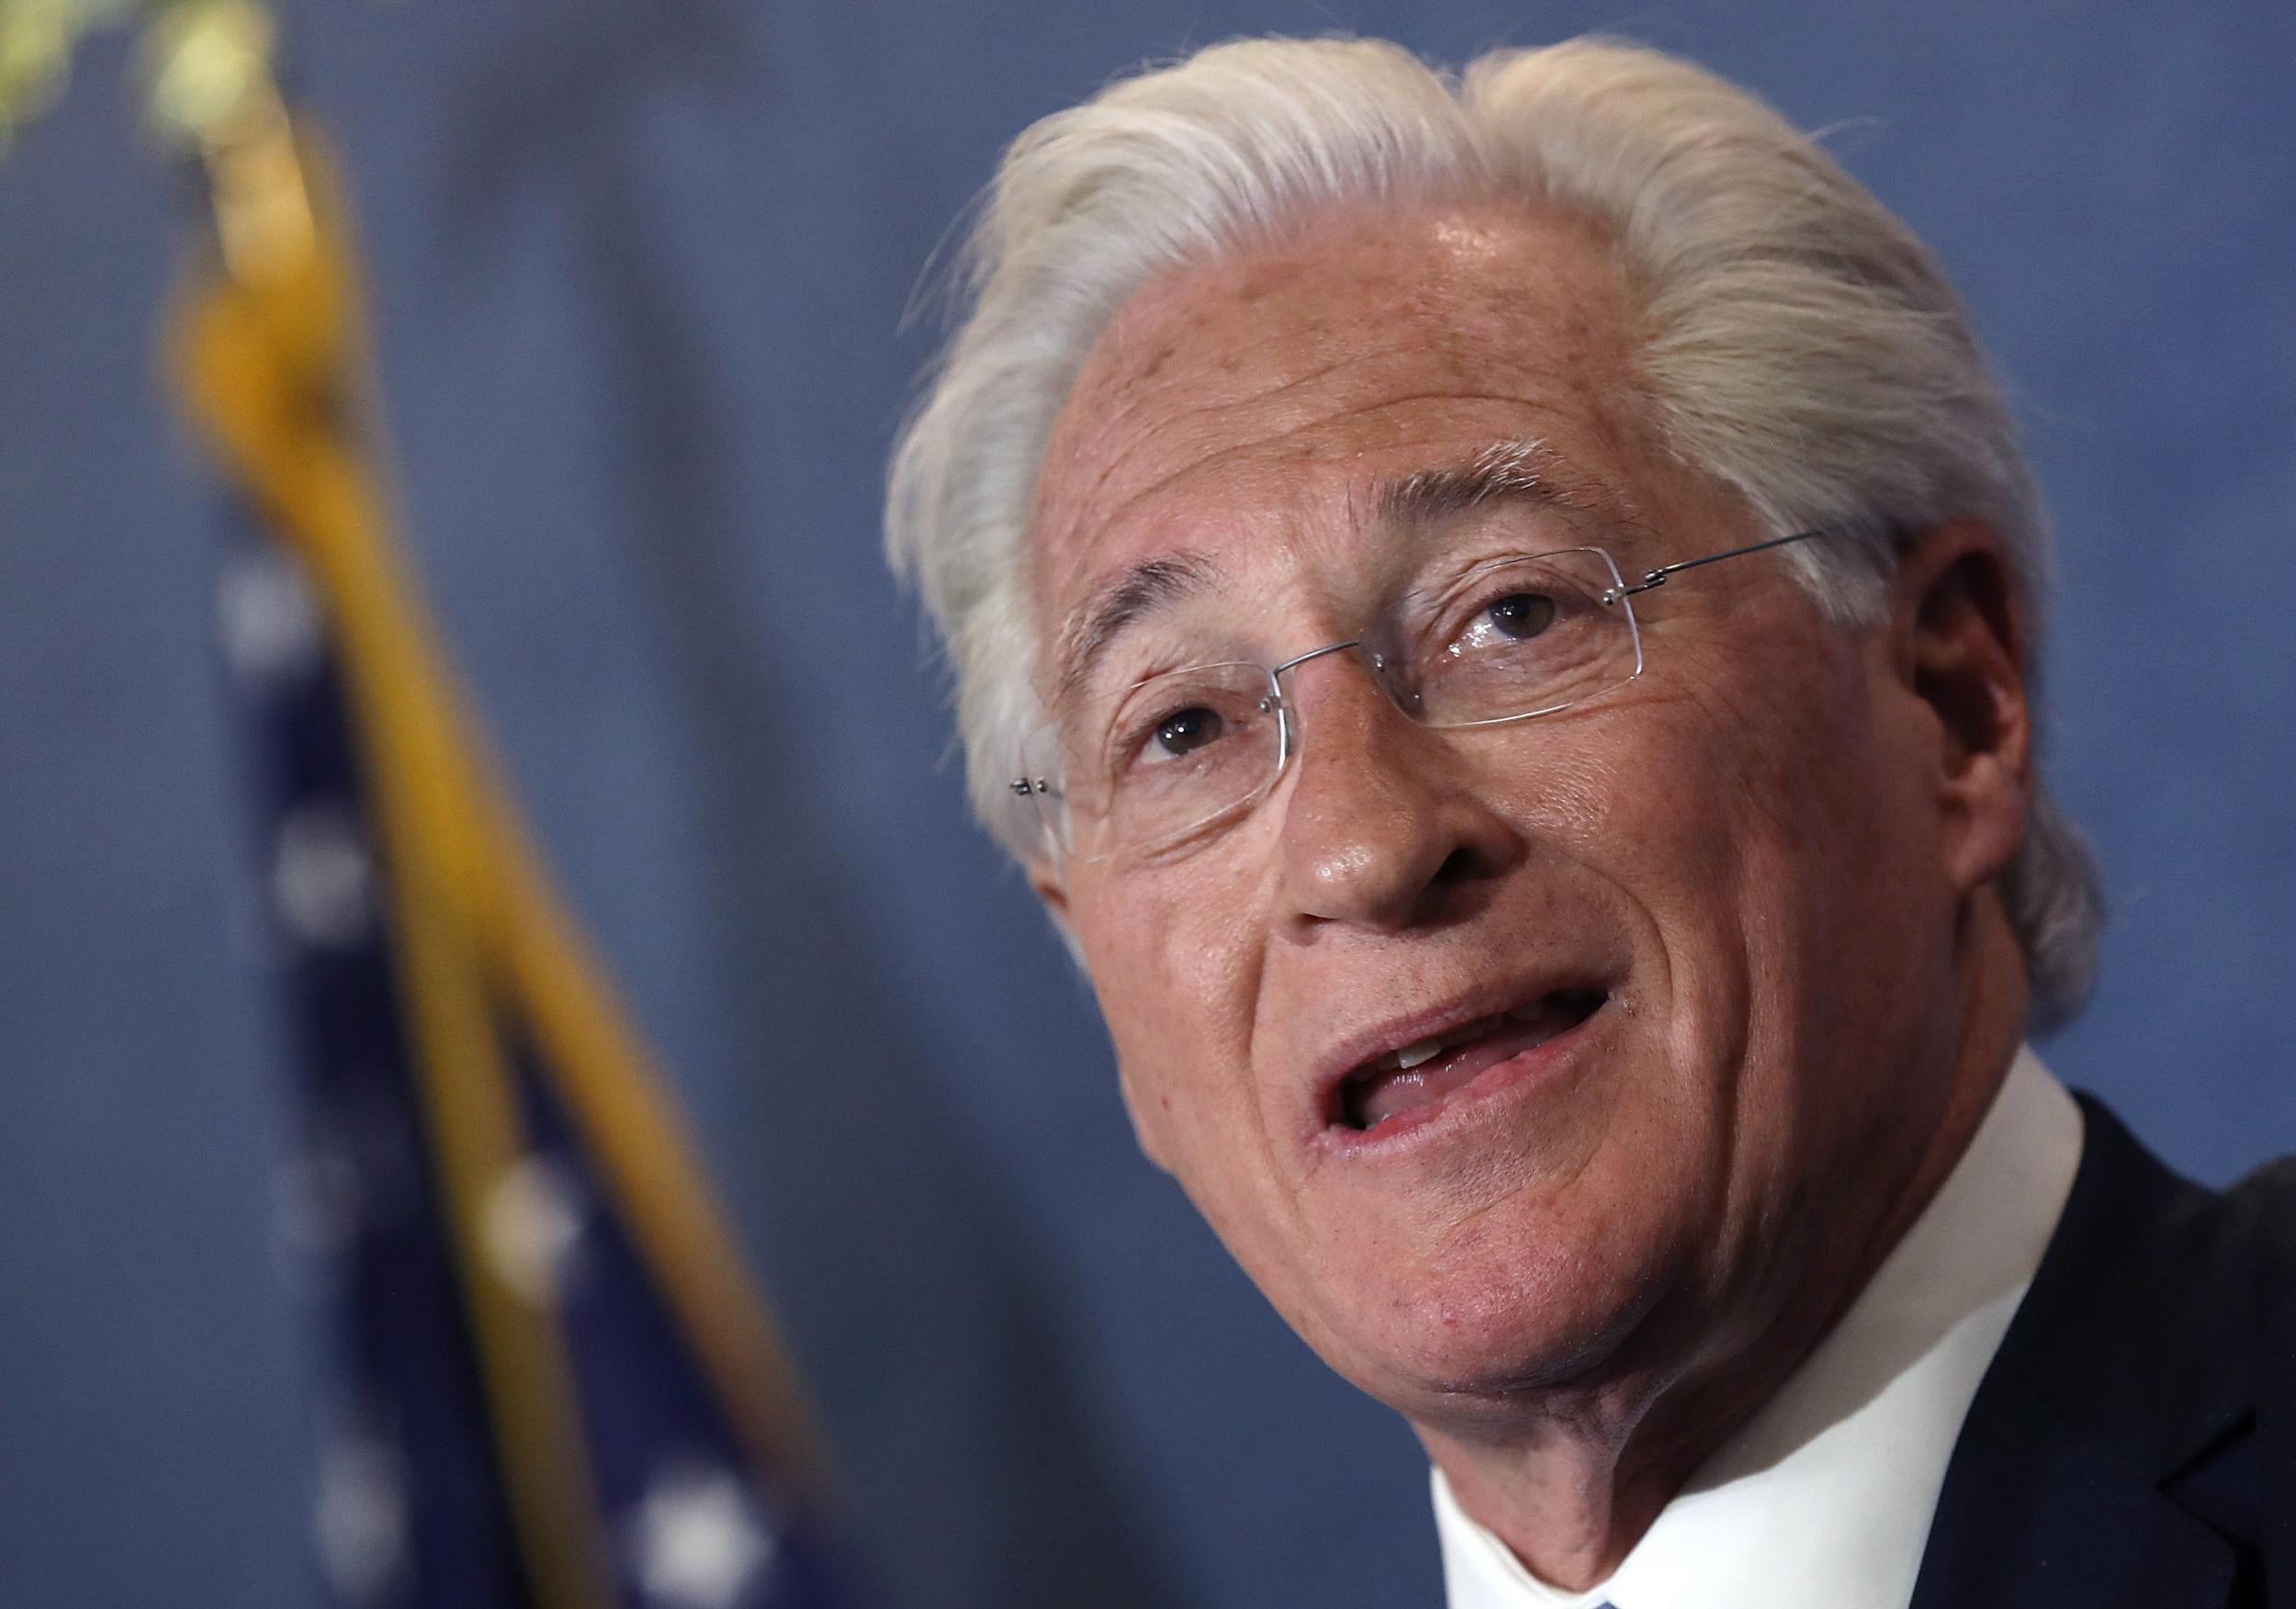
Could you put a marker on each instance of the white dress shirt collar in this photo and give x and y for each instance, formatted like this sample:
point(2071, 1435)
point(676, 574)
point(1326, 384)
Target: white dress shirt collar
point(1823, 1499)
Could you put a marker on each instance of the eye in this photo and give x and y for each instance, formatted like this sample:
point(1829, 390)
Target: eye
point(1184, 731)
point(1520, 616)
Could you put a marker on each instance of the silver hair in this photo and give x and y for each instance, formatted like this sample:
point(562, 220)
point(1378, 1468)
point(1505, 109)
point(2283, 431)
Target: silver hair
point(1798, 342)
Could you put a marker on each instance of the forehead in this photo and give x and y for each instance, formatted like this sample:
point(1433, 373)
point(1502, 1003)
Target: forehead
point(1243, 406)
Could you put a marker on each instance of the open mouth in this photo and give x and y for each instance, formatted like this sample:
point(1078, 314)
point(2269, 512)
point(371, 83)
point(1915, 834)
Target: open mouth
point(1422, 1074)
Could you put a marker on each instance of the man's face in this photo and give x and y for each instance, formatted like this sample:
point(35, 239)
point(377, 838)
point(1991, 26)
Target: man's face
point(1696, 932)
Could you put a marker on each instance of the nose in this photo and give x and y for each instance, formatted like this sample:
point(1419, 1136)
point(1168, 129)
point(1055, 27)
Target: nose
point(1383, 828)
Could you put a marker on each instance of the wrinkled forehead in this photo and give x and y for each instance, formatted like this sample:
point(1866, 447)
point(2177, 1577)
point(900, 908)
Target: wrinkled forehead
point(1261, 400)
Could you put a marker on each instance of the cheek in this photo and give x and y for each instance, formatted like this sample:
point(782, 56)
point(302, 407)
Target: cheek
point(1175, 974)
point(1788, 867)
point(1752, 787)
point(1733, 808)
point(1657, 804)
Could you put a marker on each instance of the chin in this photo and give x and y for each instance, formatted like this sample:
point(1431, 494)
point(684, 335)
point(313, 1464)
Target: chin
point(1531, 1296)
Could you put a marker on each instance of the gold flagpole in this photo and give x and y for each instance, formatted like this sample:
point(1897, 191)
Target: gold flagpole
point(266, 350)
point(267, 357)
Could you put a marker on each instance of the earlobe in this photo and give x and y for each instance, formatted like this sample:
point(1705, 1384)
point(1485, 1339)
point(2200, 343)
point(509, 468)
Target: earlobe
point(1959, 623)
point(1045, 878)
point(1046, 883)
point(1146, 1132)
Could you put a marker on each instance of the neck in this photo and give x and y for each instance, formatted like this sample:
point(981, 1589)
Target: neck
point(1575, 1482)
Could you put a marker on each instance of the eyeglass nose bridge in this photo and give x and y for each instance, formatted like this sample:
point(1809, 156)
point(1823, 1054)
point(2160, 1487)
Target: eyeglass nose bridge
point(1378, 661)
point(1288, 714)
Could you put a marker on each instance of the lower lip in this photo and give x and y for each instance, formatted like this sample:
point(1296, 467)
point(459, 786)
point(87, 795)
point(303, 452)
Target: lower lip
point(1537, 1066)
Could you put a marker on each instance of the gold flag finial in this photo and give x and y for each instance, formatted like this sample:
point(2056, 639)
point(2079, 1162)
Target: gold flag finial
point(37, 39)
point(207, 70)
point(209, 91)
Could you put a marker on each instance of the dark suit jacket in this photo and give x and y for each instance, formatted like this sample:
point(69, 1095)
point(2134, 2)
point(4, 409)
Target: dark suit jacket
point(2134, 1444)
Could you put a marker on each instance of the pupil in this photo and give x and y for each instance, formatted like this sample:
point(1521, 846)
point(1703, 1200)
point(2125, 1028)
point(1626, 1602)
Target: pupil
point(1187, 730)
point(1522, 614)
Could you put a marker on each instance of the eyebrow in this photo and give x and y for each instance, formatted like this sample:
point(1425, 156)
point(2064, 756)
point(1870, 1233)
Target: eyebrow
point(1509, 471)
point(1140, 591)
point(1521, 469)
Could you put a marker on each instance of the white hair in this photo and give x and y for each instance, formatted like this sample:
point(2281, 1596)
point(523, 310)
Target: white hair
point(1797, 341)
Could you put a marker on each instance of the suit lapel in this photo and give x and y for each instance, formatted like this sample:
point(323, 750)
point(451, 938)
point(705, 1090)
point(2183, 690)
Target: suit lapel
point(2131, 1357)
point(2036, 1527)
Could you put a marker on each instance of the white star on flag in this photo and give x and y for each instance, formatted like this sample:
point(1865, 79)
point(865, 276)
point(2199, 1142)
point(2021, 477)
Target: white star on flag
point(269, 620)
point(359, 1523)
point(695, 1541)
point(320, 880)
point(533, 1228)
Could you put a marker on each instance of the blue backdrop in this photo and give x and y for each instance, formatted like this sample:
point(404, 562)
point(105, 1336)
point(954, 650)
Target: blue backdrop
point(639, 276)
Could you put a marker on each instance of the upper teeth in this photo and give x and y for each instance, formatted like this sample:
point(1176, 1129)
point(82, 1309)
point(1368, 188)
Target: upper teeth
point(1428, 1048)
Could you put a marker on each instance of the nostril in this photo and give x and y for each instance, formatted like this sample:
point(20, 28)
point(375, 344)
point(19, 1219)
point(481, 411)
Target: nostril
point(1461, 865)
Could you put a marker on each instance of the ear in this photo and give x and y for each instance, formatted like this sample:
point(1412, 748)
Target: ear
point(1146, 1132)
point(1957, 639)
point(1045, 883)
point(1045, 878)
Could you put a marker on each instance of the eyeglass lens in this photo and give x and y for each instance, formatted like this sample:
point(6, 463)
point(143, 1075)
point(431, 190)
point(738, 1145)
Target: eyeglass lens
point(1170, 760)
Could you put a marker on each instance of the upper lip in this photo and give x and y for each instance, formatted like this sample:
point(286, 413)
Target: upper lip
point(1395, 1033)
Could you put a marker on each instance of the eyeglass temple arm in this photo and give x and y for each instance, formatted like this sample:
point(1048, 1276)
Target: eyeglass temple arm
point(1657, 578)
